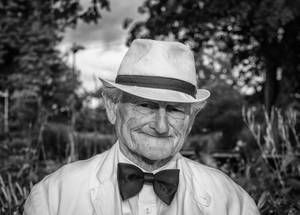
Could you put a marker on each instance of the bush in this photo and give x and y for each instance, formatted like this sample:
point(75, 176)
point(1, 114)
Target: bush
point(12, 196)
point(24, 166)
point(272, 175)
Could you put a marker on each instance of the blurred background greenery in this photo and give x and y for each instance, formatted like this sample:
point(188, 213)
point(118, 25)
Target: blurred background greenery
point(247, 55)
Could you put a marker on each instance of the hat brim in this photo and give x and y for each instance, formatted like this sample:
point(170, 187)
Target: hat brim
point(160, 94)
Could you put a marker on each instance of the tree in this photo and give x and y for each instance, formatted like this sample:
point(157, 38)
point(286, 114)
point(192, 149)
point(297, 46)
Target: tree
point(31, 66)
point(260, 37)
point(221, 114)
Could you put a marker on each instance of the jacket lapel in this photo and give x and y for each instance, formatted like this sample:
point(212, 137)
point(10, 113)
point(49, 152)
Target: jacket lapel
point(189, 199)
point(107, 200)
point(105, 191)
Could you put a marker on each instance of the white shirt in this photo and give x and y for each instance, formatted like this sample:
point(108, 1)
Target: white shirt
point(146, 202)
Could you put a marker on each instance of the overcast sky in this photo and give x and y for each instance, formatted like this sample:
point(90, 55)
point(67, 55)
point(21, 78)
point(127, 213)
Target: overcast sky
point(104, 43)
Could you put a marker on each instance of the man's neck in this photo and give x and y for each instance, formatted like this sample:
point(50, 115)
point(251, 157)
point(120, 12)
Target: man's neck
point(142, 162)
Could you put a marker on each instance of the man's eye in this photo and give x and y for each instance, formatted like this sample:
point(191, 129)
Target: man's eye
point(146, 105)
point(143, 105)
point(175, 109)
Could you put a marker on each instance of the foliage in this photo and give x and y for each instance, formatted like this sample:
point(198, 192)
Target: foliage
point(258, 38)
point(22, 165)
point(17, 174)
point(222, 113)
point(270, 172)
point(93, 120)
point(31, 67)
point(41, 86)
point(273, 174)
point(12, 196)
point(89, 144)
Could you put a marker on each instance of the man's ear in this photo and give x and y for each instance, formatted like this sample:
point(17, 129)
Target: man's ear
point(111, 109)
point(196, 108)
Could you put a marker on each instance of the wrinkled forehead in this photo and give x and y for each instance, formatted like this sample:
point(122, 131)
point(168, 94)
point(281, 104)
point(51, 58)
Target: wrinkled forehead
point(129, 98)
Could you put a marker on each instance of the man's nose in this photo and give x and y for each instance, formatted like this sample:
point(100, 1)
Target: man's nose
point(161, 124)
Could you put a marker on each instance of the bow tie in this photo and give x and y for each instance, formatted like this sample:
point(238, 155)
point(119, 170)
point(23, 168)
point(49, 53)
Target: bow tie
point(131, 180)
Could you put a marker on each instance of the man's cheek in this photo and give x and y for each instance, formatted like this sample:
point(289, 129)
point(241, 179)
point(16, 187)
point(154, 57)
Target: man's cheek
point(135, 122)
point(178, 128)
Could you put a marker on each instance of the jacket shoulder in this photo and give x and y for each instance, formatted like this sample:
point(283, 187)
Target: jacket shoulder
point(206, 173)
point(70, 182)
point(219, 189)
point(79, 170)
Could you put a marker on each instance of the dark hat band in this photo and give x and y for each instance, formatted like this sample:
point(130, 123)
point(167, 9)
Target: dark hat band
point(157, 82)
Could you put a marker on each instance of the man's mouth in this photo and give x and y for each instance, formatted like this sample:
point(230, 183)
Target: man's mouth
point(156, 135)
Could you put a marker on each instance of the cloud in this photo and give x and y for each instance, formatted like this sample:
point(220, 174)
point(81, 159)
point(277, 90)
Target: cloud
point(95, 63)
point(109, 28)
point(104, 43)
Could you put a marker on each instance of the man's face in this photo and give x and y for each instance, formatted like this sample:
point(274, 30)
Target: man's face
point(152, 129)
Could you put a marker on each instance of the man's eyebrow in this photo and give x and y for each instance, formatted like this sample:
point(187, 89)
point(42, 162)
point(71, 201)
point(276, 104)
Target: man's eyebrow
point(134, 99)
point(177, 104)
point(153, 103)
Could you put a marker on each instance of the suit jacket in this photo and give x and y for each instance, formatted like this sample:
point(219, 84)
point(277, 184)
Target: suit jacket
point(90, 187)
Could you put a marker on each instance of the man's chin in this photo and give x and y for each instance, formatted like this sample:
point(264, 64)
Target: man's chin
point(152, 158)
point(155, 152)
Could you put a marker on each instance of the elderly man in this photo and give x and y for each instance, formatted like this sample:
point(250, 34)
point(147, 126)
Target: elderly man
point(152, 104)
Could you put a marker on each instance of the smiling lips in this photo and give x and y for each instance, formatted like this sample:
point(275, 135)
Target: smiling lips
point(155, 135)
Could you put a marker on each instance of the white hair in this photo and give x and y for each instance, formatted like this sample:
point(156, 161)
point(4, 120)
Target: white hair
point(112, 93)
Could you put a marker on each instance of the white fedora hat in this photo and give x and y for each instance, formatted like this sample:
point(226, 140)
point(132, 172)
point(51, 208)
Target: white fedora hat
point(159, 70)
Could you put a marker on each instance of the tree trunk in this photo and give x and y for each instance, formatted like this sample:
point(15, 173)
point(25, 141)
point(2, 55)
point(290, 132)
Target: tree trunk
point(271, 86)
point(271, 54)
